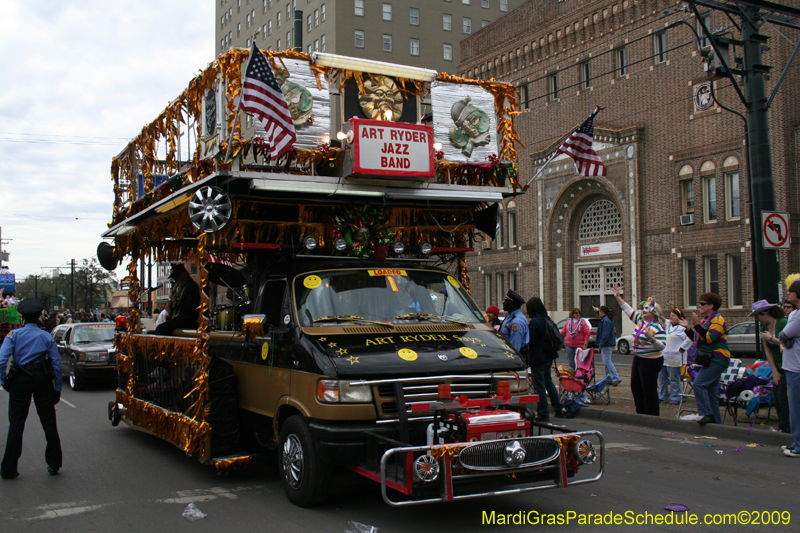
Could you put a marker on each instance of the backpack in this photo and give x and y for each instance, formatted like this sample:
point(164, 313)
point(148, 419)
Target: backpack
point(553, 339)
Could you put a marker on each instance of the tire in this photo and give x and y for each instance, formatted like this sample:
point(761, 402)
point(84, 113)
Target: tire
point(624, 347)
point(76, 380)
point(305, 477)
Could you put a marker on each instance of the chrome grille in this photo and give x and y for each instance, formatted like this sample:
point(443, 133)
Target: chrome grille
point(491, 455)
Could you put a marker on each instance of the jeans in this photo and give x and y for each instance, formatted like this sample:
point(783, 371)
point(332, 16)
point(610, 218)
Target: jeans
point(644, 384)
point(669, 383)
point(706, 391)
point(571, 355)
point(781, 396)
point(611, 372)
point(544, 387)
point(793, 384)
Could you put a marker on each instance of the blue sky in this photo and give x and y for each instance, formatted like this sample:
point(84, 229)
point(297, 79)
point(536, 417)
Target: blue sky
point(80, 79)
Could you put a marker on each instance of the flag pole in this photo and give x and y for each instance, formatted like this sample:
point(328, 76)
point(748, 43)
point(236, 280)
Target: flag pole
point(233, 130)
point(555, 152)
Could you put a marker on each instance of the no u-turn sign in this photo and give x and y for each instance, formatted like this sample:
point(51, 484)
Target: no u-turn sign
point(775, 230)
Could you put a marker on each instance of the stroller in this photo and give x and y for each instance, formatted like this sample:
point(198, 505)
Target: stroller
point(581, 382)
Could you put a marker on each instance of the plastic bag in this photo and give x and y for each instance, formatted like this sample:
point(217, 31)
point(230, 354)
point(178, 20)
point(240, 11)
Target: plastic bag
point(356, 527)
point(192, 513)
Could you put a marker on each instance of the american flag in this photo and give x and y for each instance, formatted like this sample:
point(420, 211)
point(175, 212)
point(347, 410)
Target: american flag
point(262, 96)
point(579, 147)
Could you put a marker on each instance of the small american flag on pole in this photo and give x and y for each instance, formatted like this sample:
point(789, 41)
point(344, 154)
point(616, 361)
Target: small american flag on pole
point(262, 96)
point(579, 147)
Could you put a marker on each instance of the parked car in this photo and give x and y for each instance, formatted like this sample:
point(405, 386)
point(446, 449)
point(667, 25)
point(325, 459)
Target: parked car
point(87, 352)
point(593, 323)
point(625, 344)
point(742, 339)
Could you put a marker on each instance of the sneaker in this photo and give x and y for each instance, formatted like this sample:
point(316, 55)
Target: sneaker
point(52, 471)
point(614, 384)
point(561, 413)
point(791, 452)
point(706, 420)
point(674, 402)
point(784, 447)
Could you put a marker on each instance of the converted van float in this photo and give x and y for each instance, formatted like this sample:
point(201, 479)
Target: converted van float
point(336, 324)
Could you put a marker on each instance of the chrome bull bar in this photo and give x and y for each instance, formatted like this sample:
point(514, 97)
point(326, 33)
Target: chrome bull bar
point(445, 455)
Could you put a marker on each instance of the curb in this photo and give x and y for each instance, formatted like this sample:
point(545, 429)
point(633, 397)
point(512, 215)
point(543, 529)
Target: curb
point(759, 436)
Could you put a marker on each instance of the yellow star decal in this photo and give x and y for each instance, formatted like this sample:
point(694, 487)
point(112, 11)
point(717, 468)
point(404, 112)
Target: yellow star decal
point(341, 351)
point(323, 339)
point(353, 360)
point(509, 355)
point(331, 345)
point(483, 345)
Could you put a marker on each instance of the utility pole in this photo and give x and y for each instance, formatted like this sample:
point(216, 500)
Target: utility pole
point(72, 280)
point(753, 14)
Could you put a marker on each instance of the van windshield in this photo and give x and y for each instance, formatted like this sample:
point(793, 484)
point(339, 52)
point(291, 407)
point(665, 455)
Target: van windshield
point(390, 296)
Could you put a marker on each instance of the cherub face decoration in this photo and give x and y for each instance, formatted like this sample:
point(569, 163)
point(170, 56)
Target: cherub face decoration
point(471, 125)
point(381, 95)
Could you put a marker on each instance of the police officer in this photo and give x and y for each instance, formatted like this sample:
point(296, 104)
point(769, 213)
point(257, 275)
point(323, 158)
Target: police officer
point(515, 325)
point(187, 299)
point(29, 346)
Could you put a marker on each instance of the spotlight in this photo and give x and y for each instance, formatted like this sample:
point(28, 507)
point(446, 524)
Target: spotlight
point(339, 244)
point(426, 248)
point(437, 146)
point(398, 248)
point(310, 243)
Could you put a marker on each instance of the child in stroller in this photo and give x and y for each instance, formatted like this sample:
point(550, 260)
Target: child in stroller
point(582, 380)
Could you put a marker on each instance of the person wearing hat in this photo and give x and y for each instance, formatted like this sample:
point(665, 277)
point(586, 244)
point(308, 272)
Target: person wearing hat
point(186, 301)
point(772, 320)
point(791, 364)
point(30, 347)
point(711, 333)
point(515, 326)
point(648, 358)
point(493, 312)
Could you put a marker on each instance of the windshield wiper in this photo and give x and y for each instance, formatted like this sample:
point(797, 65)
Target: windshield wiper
point(345, 318)
point(429, 315)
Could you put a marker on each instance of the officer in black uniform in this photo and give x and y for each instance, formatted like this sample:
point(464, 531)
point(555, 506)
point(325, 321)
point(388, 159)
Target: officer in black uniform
point(36, 371)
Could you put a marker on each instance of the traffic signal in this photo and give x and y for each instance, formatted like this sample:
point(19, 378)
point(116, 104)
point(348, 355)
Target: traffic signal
point(713, 64)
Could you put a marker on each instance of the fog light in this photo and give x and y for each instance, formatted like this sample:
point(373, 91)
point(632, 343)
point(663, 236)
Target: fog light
point(339, 244)
point(398, 247)
point(310, 243)
point(426, 468)
point(586, 452)
point(426, 248)
point(515, 454)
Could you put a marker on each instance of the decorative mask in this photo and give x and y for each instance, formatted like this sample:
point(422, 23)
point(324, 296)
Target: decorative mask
point(381, 94)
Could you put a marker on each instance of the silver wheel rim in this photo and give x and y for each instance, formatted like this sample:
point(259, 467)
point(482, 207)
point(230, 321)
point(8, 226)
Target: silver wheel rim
point(624, 348)
point(293, 461)
point(210, 209)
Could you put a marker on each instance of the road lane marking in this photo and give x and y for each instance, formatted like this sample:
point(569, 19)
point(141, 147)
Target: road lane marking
point(60, 510)
point(199, 495)
point(66, 402)
point(626, 447)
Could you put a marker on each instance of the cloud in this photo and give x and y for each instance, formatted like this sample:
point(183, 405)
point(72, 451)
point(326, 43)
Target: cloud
point(81, 78)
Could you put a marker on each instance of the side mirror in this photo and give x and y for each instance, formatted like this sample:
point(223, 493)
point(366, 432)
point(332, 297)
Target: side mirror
point(254, 325)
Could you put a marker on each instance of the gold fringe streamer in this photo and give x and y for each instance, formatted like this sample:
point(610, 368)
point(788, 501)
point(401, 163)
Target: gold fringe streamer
point(252, 328)
point(226, 466)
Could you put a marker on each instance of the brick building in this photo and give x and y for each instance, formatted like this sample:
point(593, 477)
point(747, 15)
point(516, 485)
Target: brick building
point(671, 219)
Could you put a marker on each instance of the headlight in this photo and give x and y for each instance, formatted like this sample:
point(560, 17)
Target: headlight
point(334, 391)
point(95, 356)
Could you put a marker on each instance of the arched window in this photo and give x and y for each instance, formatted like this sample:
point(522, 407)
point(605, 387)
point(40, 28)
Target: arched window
point(601, 219)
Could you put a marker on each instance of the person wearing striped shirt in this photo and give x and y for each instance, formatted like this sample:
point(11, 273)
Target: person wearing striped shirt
point(648, 345)
point(711, 332)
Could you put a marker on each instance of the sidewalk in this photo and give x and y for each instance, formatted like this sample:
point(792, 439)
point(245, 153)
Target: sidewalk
point(621, 410)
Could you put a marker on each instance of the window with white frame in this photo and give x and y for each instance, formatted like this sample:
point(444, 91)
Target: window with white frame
point(585, 74)
point(488, 293)
point(523, 97)
point(621, 58)
point(660, 46)
point(512, 281)
point(498, 238)
point(447, 22)
point(413, 16)
point(238, 29)
point(269, 27)
point(387, 43)
point(288, 39)
point(279, 19)
point(503, 5)
point(686, 185)
point(359, 8)
point(704, 20)
point(732, 204)
point(308, 49)
point(465, 2)
point(467, 25)
point(712, 274)
point(414, 47)
point(501, 283)
point(308, 24)
point(512, 228)
point(322, 13)
point(316, 45)
point(735, 276)
point(322, 43)
point(552, 89)
point(710, 199)
point(264, 31)
point(485, 4)
point(690, 282)
point(387, 11)
point(247, 43)
point(448, 52)
point(278, 45)
point(359, 34)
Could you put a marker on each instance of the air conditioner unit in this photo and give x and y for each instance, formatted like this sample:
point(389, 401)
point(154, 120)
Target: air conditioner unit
point(687, 220)
point(486, 244)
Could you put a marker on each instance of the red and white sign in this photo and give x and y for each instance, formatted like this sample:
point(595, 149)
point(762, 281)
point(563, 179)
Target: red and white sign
point(775, 230)
point(603, 248)
point(386, 148)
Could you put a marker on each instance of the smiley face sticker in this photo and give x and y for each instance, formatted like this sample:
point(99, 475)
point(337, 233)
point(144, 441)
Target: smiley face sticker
point(454, 282)
point(407, 355)
point(312, 282)
point(468, 352)
point(264, 351)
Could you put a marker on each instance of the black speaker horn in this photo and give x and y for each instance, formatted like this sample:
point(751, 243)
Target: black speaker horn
point(107, 255)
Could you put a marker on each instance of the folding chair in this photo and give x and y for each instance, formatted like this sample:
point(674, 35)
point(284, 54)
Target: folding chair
point(752, 399)
point(733, 372)
point(687, 388)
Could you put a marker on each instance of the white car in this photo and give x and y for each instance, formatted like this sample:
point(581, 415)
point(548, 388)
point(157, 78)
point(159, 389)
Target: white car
point(625, 344)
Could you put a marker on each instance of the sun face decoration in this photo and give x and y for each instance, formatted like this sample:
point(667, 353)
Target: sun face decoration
point(380, 96)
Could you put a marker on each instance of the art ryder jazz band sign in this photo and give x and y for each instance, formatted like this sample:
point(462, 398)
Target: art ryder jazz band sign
point(385, 148)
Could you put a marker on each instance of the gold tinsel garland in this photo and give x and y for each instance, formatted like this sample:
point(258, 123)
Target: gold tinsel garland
point(226, 466)
point(189, 434)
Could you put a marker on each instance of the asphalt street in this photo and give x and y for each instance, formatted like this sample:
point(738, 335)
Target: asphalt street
point(118, 479)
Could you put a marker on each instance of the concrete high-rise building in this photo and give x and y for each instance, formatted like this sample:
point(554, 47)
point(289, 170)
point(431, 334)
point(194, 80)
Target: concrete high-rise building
point(410, 32)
